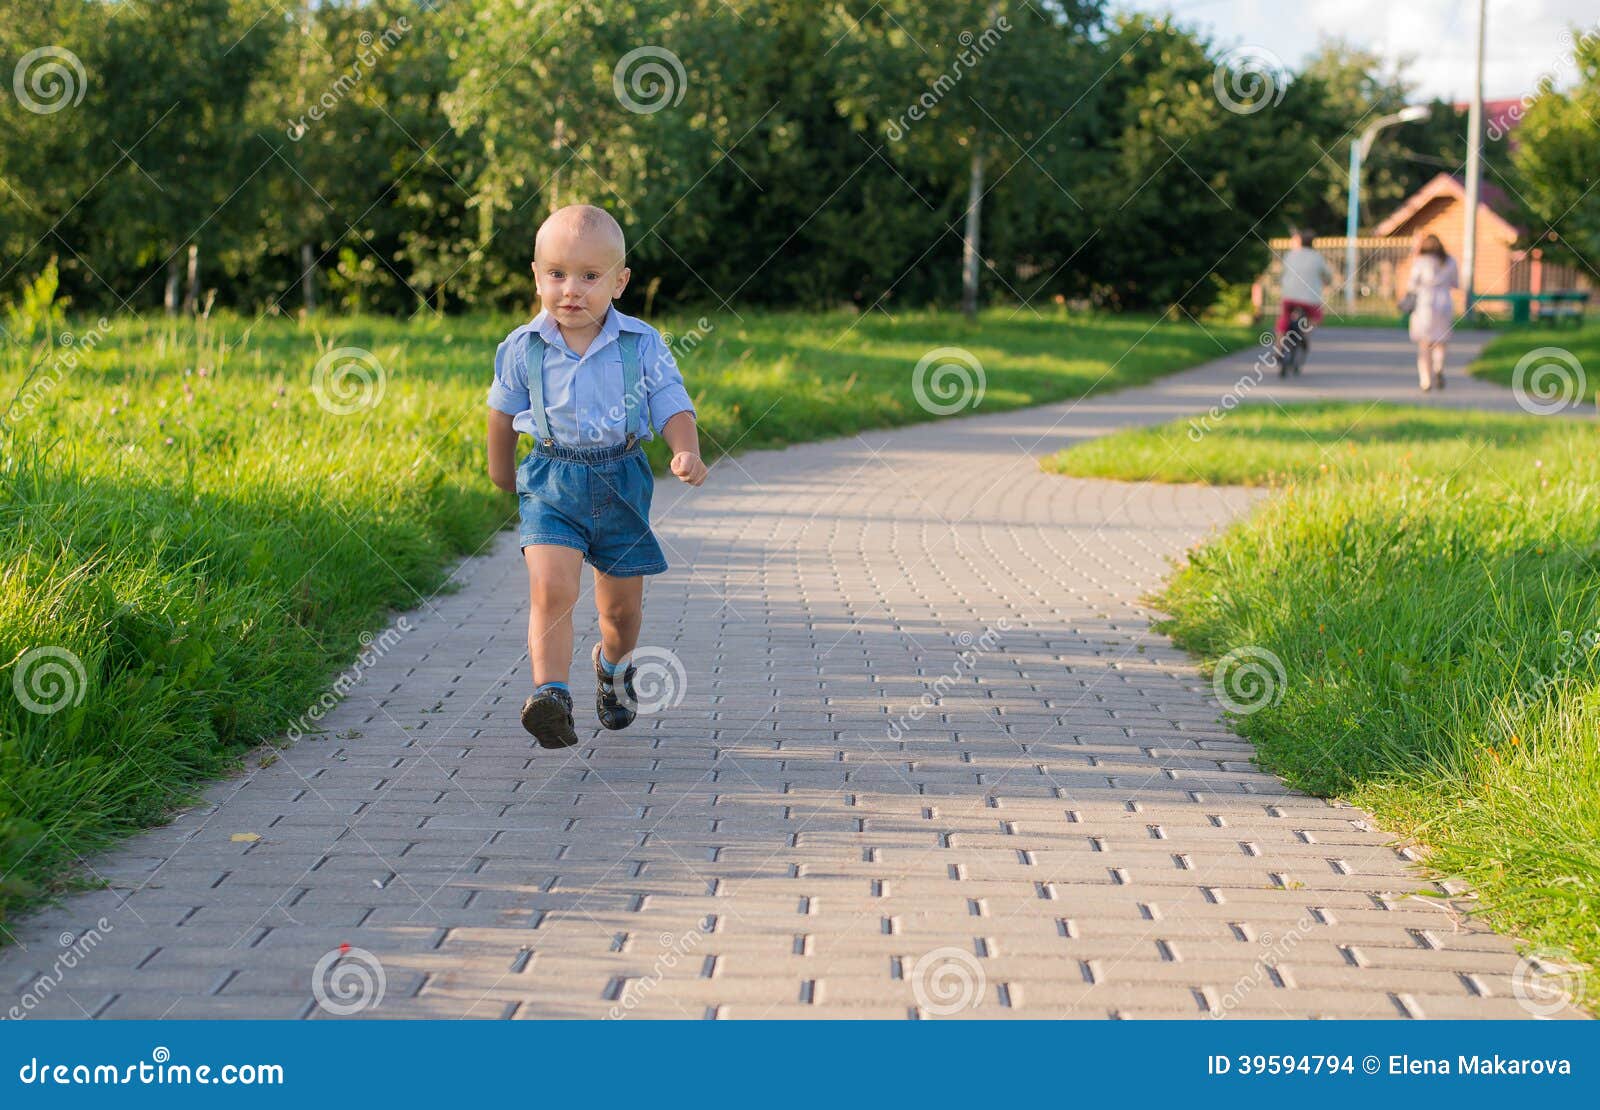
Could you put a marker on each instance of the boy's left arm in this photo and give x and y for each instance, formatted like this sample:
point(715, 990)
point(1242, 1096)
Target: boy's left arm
point(682, 437)
point(673, 413)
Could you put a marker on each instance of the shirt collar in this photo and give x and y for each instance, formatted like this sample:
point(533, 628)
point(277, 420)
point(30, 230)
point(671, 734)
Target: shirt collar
point(615, 323)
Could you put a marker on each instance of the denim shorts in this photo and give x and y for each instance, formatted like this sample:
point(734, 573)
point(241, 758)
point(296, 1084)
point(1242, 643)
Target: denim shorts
point(594, 499)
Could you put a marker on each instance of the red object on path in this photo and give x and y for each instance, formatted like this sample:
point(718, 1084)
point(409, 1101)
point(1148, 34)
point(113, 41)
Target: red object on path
point(1313, 313)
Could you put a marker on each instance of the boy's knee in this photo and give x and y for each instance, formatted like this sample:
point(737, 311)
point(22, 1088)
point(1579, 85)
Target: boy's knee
point(552, 596)
point(619, 612)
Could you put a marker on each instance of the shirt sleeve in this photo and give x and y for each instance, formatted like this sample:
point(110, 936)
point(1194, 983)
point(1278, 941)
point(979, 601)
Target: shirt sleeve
point(508, 392)
point(663, 382)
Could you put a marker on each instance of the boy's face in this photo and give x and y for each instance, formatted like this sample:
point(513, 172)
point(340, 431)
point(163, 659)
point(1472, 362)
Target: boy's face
point(578, 276)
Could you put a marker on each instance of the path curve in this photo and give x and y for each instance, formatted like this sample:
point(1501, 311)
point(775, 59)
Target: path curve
point(1069, 831)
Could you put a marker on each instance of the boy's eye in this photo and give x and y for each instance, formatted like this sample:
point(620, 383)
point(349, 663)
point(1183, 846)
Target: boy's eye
point(591, 276)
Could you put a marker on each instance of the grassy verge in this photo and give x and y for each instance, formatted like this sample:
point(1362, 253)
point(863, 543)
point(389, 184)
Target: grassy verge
point(1429, 584)
point(193, 542)
point(1568, 369)
point(1262, 445)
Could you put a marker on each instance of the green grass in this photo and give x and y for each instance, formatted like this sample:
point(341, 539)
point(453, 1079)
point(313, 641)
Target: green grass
point(1433, 597)
point(1551, 375)
point(203, 544)
point(1257, 445)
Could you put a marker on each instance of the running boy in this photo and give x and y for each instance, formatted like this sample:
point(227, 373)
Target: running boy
point(587, 382)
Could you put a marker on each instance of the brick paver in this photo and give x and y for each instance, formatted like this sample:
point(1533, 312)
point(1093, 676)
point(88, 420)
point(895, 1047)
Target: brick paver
point(1064, 828)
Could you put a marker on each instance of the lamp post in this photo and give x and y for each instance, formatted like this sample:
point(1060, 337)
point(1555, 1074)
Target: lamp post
point(1358, 154)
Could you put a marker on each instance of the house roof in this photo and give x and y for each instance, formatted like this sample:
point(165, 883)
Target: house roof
point(1445, 185)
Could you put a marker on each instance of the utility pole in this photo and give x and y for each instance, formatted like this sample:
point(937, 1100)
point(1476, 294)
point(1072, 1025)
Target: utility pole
point(1469, 249)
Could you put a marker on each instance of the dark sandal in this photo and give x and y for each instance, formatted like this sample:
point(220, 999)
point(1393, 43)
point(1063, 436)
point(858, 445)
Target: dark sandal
point(615, 708)
point(548, 716)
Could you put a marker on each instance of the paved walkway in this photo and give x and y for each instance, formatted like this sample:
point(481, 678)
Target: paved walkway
point(1069, 831)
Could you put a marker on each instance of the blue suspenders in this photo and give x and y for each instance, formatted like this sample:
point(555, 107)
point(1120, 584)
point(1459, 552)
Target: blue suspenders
point(633, 399)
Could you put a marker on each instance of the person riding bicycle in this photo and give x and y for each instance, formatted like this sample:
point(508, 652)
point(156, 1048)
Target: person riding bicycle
point(1304, 274)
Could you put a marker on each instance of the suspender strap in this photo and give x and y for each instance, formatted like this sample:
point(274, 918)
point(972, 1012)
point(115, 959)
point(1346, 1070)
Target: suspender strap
point(634, 401)
point(532, 355)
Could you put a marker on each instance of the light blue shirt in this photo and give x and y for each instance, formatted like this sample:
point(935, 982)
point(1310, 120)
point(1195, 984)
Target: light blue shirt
point(583, 396)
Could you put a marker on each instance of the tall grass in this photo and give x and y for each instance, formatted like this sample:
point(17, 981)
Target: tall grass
point(1430, 583)
point(191, 544)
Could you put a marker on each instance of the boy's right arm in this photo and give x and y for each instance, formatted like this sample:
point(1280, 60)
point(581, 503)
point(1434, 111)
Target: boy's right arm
point(508, 396)
point(502, 451)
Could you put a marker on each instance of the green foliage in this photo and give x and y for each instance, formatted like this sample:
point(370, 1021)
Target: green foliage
point(1547, 377)
point(390, 155)
point(1433, 598)
point(1556, 170)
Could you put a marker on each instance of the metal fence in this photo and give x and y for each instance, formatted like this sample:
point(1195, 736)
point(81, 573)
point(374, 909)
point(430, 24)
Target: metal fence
point(1380, 265)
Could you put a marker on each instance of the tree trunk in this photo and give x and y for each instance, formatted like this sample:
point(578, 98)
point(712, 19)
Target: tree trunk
point(556, 160)
point(969, 244)
point(308, 277)
point(191, 293)
point(169, 299)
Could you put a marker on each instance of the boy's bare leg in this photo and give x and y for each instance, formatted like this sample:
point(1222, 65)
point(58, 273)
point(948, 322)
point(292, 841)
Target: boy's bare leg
point(620, 603)
point(554, 573)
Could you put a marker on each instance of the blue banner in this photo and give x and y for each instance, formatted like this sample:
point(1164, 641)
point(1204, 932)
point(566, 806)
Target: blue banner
point(791, 1063)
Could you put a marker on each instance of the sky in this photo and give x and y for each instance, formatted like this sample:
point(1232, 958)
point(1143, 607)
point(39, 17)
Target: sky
point(1526, 38)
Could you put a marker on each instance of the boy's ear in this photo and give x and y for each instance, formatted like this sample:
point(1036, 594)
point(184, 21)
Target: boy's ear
point(622, 282)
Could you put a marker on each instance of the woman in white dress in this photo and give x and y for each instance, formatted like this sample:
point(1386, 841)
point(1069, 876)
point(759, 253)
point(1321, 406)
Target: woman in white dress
point(1433, 275)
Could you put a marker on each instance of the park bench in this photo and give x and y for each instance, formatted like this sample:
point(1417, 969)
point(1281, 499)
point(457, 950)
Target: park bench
point(1554, 306)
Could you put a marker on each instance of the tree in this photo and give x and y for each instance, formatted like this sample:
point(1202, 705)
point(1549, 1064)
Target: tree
point(50, 140)
point(1356, 87)
point(1555, 170)
point(962, 102)
point(173, 82)
point(1184, 184)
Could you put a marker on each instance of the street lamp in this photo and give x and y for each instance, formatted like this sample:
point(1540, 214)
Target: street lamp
point(1358, 153)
